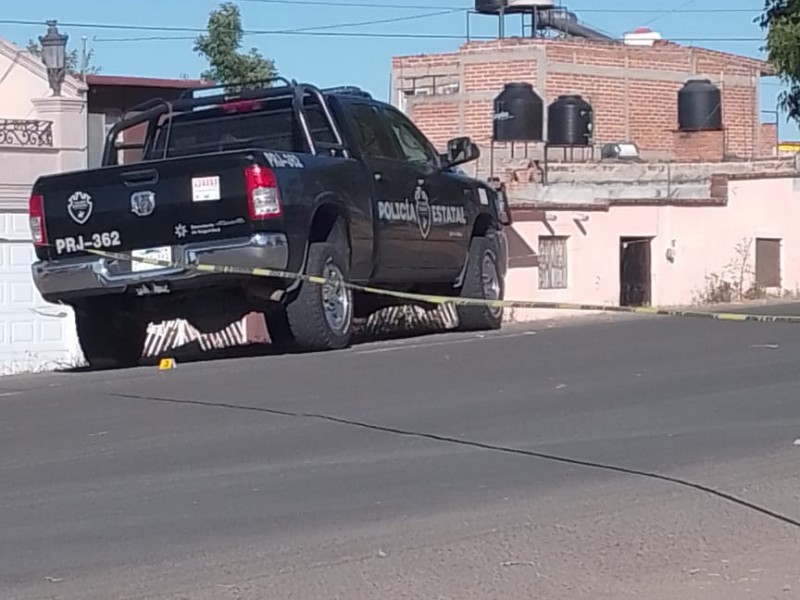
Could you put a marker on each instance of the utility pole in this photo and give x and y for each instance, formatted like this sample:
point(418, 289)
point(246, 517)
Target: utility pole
point(84, 59)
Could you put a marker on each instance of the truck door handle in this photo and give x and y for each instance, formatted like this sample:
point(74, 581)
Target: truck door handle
point(147, 177)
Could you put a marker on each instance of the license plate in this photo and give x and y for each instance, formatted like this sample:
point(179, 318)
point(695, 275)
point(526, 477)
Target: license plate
point(163, 253)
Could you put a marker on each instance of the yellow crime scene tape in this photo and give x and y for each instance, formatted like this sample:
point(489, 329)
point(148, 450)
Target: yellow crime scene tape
point(456, 300)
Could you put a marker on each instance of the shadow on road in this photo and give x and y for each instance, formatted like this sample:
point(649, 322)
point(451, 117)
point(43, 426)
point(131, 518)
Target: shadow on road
point(405, 322)
point(395, 325)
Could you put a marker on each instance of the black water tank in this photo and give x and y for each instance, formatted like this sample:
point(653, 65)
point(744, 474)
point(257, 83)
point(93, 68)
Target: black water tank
point(699, 106)
point(518, 114)
point(569, 121)
point(511, 7)
point(489, 7)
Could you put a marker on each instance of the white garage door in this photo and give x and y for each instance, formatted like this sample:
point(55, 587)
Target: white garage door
point(34, 335)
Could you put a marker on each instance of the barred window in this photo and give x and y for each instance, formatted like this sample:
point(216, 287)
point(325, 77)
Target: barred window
point(552, 263)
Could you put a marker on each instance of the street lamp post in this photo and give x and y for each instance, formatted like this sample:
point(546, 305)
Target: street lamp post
point(54, 56)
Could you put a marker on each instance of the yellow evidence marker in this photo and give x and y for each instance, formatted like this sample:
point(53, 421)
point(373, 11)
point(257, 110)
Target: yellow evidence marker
point(167, 364)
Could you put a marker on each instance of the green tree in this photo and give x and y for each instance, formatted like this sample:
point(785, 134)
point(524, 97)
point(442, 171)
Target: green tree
point(781, 20)
point(221, 48)
point(73, 59)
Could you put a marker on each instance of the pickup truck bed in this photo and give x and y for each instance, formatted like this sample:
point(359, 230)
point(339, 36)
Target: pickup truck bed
point(290, 178)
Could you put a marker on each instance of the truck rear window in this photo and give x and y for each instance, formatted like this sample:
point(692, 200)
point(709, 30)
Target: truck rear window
point(215, 130)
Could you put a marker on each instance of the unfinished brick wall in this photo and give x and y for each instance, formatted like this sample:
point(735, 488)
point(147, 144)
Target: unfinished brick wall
point(491, 76)
point(633, 89)
point(699, 146)
point(441, 120)
point(769, 139)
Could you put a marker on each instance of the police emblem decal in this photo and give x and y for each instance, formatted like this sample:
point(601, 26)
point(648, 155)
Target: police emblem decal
point(423, 205)
point(79, 207)
point(143, 204)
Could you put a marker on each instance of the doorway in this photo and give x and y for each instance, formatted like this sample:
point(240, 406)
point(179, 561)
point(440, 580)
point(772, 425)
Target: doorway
point(634, 271)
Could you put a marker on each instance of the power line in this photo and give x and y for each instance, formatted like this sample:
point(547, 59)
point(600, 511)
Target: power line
point(396, 36)
point(296, 31)
point(114, 26)
point(313, 31)
point(673, 10)
point(375, 22)
point(402, 36)
point(173, 29)
point(451, 7)
point(371, 5)
point(651, 11)
point(388, 6)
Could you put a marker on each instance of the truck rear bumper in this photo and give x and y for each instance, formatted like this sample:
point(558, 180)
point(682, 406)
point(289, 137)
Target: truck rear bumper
point(82, 277)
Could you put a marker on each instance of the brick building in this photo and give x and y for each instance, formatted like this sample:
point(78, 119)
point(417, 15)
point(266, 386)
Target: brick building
point(632, 88)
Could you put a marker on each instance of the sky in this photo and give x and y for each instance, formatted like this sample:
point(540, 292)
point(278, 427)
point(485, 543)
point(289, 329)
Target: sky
point(351, 44)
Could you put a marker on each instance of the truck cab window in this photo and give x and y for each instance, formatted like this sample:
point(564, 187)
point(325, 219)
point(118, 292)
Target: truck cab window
point(370, 133)
point(318, 124)
point(269, 124)
point(413, 145)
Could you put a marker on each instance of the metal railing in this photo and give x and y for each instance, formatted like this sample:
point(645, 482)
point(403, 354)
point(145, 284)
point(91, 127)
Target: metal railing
point(26, 133)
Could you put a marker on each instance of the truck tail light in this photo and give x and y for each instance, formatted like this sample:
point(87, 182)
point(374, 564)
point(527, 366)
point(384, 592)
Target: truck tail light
point(240, 106)
point(263, 197)
point(36, 220)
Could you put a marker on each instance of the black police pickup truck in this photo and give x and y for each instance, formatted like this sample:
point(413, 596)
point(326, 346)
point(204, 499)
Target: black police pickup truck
point(284, 176)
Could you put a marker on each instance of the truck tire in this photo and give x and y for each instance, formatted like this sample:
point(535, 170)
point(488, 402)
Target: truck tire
point(321, 316)
point(482, 280)
point(110, 340)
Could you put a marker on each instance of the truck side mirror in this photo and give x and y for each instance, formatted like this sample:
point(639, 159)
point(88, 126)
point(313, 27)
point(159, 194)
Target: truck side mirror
point(460, 151)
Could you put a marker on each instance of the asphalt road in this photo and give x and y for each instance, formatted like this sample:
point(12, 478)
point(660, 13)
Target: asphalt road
point(648, 458)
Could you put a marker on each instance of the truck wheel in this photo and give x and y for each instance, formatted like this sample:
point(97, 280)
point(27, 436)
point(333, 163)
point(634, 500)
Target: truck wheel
point(280, 333)
point(482, 281)
point(321, 316)
point(110, 340)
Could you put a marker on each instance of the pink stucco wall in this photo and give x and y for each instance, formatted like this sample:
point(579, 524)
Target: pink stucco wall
point(704, 240)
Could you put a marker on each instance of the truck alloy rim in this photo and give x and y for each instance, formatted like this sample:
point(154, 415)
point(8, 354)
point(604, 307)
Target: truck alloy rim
point(491, 280)
point(336, 299)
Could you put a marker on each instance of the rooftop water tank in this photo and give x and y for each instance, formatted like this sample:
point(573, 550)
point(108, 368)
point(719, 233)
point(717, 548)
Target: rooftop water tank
point(493, 7)
point(699, 106)
point(518, 114)
point(569, 121)
point(641, 36)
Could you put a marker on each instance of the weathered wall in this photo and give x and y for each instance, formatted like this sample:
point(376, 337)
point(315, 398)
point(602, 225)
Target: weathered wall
point(707, 240)
point(39, 134)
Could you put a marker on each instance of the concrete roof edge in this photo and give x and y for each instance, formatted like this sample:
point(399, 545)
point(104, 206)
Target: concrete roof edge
point(766, 69)
point(96, 80)
point(753, 176)
point(604, 205)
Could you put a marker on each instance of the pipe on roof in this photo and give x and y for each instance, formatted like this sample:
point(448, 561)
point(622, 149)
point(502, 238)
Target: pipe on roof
point(567, 22)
